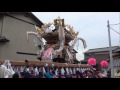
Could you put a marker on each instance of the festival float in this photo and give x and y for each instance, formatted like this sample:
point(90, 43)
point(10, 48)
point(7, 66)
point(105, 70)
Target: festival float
point(57, 51)
point(57, 35)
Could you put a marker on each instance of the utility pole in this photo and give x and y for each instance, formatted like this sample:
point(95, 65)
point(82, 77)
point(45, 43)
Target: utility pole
point(1, 27)
point(110, 50)
point(119, 29)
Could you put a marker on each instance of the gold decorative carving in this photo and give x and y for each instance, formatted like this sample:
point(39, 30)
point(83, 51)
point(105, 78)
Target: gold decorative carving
point(60, 22)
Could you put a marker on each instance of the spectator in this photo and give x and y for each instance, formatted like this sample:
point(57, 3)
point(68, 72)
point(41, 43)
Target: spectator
point(62, 76)
point(22, 75)
point(89, 74)
point(26, 62)
point(109, 73)
point(15, 75)
point(94, 74)
point(32, 75)
point(100, 75)
point(27, 75)
point(48, 73)
point(84, 75)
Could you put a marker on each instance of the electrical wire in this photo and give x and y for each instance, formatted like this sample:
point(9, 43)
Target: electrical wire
point(115, 31)
point(115, 24)
point(114, 39)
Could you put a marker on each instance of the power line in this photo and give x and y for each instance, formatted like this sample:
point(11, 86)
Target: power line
point(118, 28)
point(115, 31)
point(115, 24)
point(114, 38)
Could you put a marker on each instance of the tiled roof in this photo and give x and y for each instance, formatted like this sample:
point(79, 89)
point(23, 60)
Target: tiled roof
point(28, 13)
point(102, 49)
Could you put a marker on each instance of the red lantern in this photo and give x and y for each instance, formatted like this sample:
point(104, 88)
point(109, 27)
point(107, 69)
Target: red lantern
point(92, 61)
point(104, 64)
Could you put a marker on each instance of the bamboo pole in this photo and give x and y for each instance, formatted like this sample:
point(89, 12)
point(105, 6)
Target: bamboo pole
point(41, 64)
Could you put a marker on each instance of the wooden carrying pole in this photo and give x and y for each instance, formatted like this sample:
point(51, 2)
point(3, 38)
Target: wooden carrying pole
point(41, 64)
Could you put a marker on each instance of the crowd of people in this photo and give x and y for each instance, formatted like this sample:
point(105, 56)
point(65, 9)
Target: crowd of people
point(9, 71)
point(51, 73)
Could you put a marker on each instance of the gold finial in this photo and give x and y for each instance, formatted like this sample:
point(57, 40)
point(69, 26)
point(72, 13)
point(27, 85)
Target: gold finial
point(49, 24)
point(58, 17)
point(76, 34)
point(41, 31)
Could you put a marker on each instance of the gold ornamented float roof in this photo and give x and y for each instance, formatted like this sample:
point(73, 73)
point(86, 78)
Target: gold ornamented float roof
point(70, 33)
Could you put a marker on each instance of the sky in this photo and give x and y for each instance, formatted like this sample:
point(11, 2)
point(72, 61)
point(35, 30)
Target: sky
point(92, 26)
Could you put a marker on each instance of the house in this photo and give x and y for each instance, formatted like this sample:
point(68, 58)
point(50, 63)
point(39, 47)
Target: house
point(116, 59)
point(13, 42)
point(99, 54)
